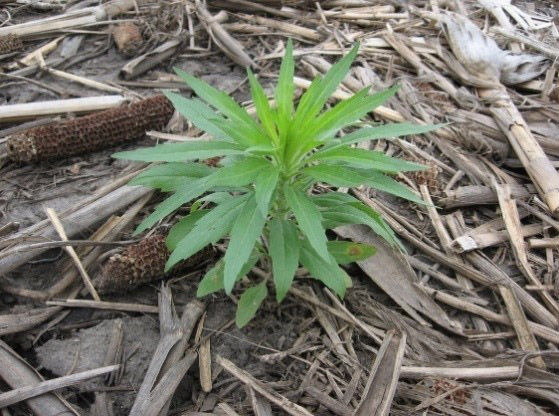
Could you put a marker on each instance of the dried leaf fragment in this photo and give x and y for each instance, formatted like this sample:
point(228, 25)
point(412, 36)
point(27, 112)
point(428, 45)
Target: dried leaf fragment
point(128, 38)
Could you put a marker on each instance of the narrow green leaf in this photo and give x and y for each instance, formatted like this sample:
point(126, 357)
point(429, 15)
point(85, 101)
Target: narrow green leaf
point(182, 152)
point(346, 252)
point(315, 97)
point(261, 150)
point(247, 229)
point(309, 219)
point(358, 213)
point(182, 228)
point(345, 113)
point(181, 196)
point(325, 123)
point(216, 98)
point(387, 184)
point(264, 186)
point(201, 115)
point(331, 199)
point(192, 169)
point(262, 105)
point(251, 136)
point(249, 303)
point(366, 159)
point(207, 230)
point(385, 131)
point(170, 176)
point(216, 197)
point(327, 271)
point(163, 183)
point(292, 142)
point(348, 112)
point(286, 87)
point(213, 279)
point(284, 249)
point(345, 176)
point(240, 173)
point(335, 175)
point(391, 237)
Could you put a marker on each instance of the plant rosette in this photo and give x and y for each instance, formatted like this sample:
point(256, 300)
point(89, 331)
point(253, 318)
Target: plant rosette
point(260, 195)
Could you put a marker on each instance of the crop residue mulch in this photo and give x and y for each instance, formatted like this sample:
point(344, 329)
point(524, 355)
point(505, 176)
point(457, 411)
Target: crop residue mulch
point(465, 323)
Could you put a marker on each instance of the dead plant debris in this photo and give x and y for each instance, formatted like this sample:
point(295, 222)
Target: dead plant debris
point(465, 323)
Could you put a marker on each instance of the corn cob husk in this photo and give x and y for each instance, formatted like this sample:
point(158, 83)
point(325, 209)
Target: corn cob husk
point(90, 133)
point(10, 43)
point(142, 263)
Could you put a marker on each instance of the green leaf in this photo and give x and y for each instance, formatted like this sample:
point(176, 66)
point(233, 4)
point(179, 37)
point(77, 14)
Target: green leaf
point(240, 173)
point(238, 119)
point(291, 139)
point(325, 123)
point(215, 197)
point(247, 229)
point(284, 249)
point(387, 184)
point(181, 196)
point(316, 96)
point(249, 303)
point(358, 213)
point(207, 230)
point(349, 111)
point(385, 131)
point(335, 175)
point(170, 176)
point(366, 159)
point(285, 87)
point(309, 219)
point(327, 271)
point(262, 105)
point(264, 186)
point(183, 227)
point(310, 105)
point(216, 98)
point(182, 152)
point(346, 252)
point(213, 279)
point(261, 150)
point(332, 199)
point(250, 136)
point(201, 115)
point(345, 176)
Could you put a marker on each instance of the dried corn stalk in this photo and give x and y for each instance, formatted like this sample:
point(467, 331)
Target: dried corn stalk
point(10, 43)
point(90, 133)
point(481, 56)
point(74, 19)
point(139, 264)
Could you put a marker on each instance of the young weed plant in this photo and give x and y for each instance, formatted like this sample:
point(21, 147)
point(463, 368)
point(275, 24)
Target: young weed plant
point(260, 194)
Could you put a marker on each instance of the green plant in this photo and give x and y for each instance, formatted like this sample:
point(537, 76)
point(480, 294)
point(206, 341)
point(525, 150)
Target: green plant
point(260, 195)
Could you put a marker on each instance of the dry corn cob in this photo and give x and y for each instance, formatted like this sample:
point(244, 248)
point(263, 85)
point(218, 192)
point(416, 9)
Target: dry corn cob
point(10, 43)
point(90, 133)
point(141, 263)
